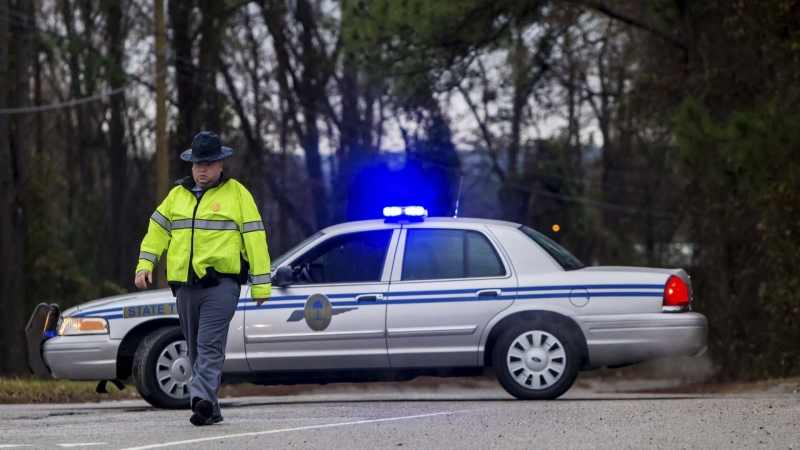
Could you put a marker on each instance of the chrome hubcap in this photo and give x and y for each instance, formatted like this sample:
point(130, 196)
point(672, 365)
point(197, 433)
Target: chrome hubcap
point(173, 370)
point(536, 360)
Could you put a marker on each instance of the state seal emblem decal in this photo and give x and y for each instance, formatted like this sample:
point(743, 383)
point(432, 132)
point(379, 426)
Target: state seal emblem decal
point(318, 312)
point(215, 207)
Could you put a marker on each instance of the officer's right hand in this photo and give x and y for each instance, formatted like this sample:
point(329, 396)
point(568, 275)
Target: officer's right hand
point(142, 278)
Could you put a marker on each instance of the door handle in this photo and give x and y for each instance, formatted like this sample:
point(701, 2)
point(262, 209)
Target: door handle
point(369, 297)
point(489, 293)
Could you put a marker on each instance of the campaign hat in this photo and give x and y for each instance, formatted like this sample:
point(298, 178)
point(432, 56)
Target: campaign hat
point(206, 147)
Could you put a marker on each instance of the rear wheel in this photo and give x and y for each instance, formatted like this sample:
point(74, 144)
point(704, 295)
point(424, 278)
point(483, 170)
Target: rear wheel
point(535, 360)
point(161, 369)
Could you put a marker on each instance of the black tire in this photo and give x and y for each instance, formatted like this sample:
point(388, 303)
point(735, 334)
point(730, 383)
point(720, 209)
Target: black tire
point(568, 372)
point(145, 362)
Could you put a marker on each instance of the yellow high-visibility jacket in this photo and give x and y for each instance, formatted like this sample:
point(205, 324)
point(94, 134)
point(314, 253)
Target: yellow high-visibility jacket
point(218, 230)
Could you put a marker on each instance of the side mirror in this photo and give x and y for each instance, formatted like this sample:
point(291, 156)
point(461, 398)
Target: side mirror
point(283, 277)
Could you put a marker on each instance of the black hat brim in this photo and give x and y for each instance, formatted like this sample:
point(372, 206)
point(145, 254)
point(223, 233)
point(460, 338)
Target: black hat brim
point(226, 152)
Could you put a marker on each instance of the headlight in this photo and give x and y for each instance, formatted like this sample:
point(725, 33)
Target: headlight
point(75, 326)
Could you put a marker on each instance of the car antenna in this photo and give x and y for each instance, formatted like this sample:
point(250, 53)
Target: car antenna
point(458, 199)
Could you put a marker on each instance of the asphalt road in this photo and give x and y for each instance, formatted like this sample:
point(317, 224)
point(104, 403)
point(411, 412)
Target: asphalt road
point(483, 417)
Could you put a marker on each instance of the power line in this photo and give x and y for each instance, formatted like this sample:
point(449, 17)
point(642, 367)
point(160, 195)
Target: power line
point(24, 21)
point(68, 104)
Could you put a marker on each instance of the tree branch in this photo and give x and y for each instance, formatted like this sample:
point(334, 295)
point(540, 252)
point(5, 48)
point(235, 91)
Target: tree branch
point(624, 18)
point(257, 147)
point(487, 136)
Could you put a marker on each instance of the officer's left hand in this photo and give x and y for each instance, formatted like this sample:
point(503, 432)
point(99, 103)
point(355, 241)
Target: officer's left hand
point(259, 301)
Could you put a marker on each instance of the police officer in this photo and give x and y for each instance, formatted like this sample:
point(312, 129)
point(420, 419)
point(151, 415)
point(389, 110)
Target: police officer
point(212, 231)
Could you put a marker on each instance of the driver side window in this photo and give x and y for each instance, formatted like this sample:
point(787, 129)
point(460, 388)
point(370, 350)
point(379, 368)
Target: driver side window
point(349, 258)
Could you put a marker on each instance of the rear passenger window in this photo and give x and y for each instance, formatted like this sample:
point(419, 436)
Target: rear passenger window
point(442, 254)
point(482, 260)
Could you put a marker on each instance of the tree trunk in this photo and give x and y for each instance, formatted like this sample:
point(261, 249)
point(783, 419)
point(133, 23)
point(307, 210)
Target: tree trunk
point(211, 30)
point(513, 200)
point(37, 97)
point(80, 154)
point(349, 143)
point(309, 101)
point(119, 230)
point(22, 121)
point(22, 149)
point(12, 229)
point(188, 89)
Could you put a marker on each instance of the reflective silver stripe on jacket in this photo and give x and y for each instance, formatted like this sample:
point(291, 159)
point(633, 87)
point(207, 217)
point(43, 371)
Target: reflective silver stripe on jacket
point(220, 225)
point(161, 220)
point(262, 279)
point(215, 225)
point(180, 224)
point(148, 256)
point(252, 226)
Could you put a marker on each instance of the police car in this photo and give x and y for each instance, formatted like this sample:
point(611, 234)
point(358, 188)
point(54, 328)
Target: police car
point(389, 300)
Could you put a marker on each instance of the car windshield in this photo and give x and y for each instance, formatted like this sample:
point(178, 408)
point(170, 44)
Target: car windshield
point(567, 260)
point(277, 262)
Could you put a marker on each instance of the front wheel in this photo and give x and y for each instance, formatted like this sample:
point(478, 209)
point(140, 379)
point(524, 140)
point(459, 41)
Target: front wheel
point(161, 369)
point(536, 360)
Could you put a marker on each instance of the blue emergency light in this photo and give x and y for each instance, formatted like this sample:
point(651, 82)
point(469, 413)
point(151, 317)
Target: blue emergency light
point(404, 213)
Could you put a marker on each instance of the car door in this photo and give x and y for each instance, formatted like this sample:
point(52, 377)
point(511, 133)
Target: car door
point(333, 316)
point(446, 285)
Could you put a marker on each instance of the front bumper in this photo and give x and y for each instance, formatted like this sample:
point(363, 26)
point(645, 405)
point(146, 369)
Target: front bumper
point(41, 326)
point(92, 357)
point(82, 357)
point(632, 338)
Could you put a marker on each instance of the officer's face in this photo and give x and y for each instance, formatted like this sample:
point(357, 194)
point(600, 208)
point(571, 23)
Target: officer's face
point(206, 174)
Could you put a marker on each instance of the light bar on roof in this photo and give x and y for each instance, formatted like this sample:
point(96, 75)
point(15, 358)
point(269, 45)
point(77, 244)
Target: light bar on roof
point(399, 212)
point(416, 211)
point(392, 211)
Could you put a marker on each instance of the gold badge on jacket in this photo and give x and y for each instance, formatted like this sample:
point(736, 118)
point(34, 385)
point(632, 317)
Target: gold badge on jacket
point(215, 207)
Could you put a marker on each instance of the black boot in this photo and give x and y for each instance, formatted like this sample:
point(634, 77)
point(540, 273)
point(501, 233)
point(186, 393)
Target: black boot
point(203, 410)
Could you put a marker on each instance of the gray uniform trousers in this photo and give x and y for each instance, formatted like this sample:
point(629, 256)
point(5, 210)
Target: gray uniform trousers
point(205, 316)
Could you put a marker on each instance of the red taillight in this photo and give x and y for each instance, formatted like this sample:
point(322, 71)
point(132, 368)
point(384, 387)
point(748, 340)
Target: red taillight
point(676, 294)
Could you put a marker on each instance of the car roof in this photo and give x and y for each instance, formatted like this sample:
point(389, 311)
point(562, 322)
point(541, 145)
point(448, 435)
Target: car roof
point(379, 223)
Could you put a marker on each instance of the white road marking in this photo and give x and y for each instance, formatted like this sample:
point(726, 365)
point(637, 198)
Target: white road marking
point(285, 430)
point(81, 444)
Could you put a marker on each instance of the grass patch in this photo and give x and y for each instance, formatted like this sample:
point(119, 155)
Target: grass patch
point(49, 390)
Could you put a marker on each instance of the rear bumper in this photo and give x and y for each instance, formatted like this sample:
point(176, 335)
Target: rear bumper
point(82, 357)
point(631, 338)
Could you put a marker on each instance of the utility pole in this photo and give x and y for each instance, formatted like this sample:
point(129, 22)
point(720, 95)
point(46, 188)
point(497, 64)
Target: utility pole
point(162, 159)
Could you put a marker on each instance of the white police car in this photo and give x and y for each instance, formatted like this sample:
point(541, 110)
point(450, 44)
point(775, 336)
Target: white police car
point(392, 300)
